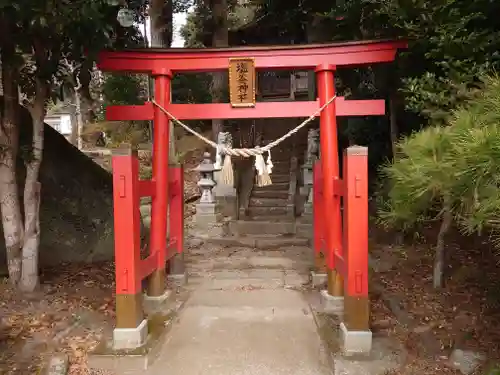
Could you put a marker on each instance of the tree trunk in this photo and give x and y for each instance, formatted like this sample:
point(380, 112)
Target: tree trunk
point(220, 38)
point(79, 117)
point(86, 101)
point(216, 91)
point(393, 124)
point(161, 14)
point(9, 142)
point(29, 278)
point(74, 122)
point(439, 256)
point(391, 82)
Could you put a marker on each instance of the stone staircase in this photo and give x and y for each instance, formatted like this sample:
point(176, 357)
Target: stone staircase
point(273, 200)
point(271, 221)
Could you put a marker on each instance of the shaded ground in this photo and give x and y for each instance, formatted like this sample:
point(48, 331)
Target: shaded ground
point(74, 307)
point(464, 315)
point(246, 315)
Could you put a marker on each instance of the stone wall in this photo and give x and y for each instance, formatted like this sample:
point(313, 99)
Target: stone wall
point(76, 204)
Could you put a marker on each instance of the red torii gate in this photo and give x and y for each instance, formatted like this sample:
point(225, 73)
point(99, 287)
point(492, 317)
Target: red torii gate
point(324, 59)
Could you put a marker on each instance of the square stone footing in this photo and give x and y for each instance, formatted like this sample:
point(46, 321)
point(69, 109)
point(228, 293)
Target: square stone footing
point(318, 279)
point(105, 357)
point(154, 303)
point(355, 342)
point(387, 356)
point(178, 280)
point(331, 304)
point(130, 338)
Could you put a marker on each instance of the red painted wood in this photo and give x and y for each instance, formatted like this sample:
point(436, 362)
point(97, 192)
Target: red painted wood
point(171, 248)
point(338, 187)
point(261, 110)
point(148, 265)
point(126, 224)
point(356, 222)
point(146, 188)
point(278, 57)
point(142, 112)
point(340, 264)
point(327, 228)
point(318, 213)
point(159, 206)
point(176, 208)
point(330, 166)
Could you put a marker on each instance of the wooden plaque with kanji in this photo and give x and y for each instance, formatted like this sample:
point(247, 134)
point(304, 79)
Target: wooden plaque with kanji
point(242, 82)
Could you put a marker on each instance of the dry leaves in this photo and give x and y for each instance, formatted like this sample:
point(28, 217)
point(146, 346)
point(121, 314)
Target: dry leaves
point(71, 311)
point(465, 314)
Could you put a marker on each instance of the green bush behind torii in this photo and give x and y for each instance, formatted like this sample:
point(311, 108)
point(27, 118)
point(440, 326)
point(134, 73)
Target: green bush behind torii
point(450, 173)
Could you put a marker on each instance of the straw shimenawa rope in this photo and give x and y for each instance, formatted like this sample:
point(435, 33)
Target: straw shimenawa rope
point(263, 170)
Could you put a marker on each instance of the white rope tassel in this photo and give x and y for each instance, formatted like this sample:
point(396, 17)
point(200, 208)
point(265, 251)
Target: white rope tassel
point(269, 163)
point(262, 177)
point(218, 158)
point(227, 171)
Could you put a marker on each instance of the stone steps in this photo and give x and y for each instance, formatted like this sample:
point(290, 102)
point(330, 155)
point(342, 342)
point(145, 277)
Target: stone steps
point(269, 194)
point(267, 211)
point(268, 227)
point(258, 242)
point(279, 178)
point(301, 267)
point(261, 227)
point(278, 186)
point(281, 167)
point(268, 202)
point(265, 218)
point(253, 263)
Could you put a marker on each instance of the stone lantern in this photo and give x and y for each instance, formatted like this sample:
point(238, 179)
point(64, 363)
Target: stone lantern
point(207, 210)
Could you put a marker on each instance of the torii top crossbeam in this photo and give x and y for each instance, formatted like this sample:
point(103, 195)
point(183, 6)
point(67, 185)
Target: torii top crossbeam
point(307, 56)
point(169, 61)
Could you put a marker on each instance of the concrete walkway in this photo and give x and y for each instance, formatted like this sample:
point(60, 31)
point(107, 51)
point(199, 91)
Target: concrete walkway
point(246, 316)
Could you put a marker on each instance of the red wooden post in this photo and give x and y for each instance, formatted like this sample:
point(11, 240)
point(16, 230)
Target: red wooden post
point(127, 218)
point(158, 242)
point(356, 301)
point(318, 218)
point(330, 169)
point(176, 210)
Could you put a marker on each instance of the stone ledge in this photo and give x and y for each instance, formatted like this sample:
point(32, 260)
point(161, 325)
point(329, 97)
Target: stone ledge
point(256, 241)
point(130, 338)
point(105, 357)
point(155, 304)
point(331, 304)
point(305, 230)
point(252, 227)
point(386, 355)
point(318, 279)
point(178, 280)
point(355, 343)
